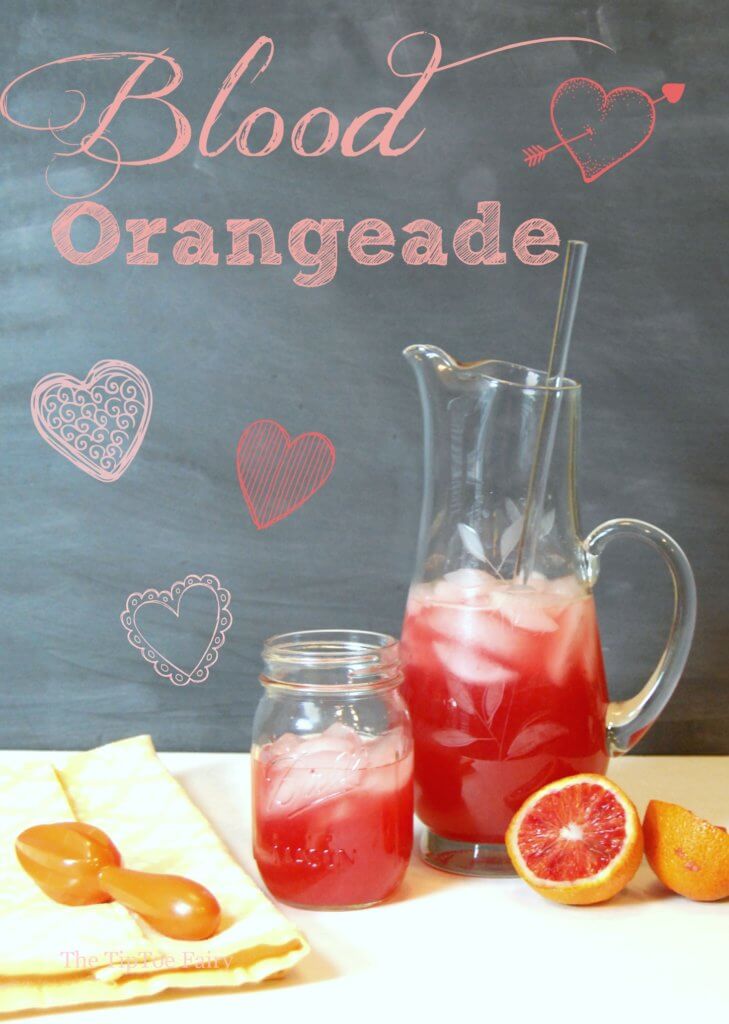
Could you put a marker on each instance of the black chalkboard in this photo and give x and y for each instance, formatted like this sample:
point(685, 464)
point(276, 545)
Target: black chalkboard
point(225, 346)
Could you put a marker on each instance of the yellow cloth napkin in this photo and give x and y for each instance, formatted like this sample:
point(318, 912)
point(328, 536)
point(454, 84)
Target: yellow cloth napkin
point(52, 955)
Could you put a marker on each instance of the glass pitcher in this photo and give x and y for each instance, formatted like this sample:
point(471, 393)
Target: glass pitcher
point(503, 666)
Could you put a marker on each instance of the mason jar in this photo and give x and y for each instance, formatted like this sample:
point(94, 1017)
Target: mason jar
point(332, 770)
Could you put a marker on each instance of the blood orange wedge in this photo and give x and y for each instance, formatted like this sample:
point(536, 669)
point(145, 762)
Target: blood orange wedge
point(576, 841)
point(689, 854)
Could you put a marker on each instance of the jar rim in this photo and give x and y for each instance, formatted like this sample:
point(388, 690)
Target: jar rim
point(331, 660)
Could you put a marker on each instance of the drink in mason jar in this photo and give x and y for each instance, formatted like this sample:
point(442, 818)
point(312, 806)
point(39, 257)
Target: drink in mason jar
point(333, 815)
point(506, 689)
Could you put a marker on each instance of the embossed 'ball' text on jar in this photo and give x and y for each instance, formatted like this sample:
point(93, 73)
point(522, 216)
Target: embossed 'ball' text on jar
point(332, 770)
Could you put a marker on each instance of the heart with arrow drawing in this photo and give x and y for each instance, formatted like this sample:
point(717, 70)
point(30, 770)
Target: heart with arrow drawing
point(600, 129)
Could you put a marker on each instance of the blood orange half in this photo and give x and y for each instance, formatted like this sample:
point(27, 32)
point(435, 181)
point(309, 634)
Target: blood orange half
point(576, 841)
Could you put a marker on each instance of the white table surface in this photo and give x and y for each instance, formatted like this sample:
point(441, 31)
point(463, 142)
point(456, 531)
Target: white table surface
point(451, 948)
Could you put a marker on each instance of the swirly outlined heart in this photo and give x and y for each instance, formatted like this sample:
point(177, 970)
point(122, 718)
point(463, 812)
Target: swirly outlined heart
point(277, 473)
point(171, 599)
point(97, 423)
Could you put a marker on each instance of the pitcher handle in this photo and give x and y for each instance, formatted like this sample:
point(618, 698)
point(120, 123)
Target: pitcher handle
point(629, 720)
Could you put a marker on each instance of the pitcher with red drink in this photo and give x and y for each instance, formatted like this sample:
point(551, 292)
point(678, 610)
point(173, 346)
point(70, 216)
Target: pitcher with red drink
point(504, 673)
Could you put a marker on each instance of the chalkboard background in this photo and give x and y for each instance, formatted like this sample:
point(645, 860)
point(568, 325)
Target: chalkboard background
point(225, 346)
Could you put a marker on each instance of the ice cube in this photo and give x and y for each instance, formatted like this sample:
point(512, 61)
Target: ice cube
point(463, 586)
point(418, 595)
point(302, 785)
point(336, 737)
point(591, 649)
point(385, 780)
point(497, 638)
point(471, 666)
point(565, 646)
point(522, 608)
point(339, 745)
point(285, 745)
point(459, 623)
point(567, 588)
point(321, 767)
point(393, 746)
point(470, 579)
point(445, 592)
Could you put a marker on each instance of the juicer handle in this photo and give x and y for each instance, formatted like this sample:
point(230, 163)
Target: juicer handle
point(629, 720)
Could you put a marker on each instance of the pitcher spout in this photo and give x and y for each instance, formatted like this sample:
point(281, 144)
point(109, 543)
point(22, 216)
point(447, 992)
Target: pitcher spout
point(430, 357)
point(432, 367)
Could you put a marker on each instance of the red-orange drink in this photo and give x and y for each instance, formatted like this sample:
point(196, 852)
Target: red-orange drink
point(506, 689)
point(333, 816)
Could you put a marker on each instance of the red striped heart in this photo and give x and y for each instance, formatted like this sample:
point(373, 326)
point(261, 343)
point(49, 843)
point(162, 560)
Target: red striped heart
point(276, 473)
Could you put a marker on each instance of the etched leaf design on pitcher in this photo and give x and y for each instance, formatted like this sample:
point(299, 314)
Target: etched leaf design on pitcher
point(535, 735)
point(508, 539)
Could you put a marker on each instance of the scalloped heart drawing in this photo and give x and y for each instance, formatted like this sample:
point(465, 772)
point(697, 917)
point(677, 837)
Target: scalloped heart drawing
point(170, 600)
point(97, 423)
point(612, 125)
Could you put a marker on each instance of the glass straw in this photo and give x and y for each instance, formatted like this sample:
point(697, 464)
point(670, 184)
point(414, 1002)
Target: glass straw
point(569, 294)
